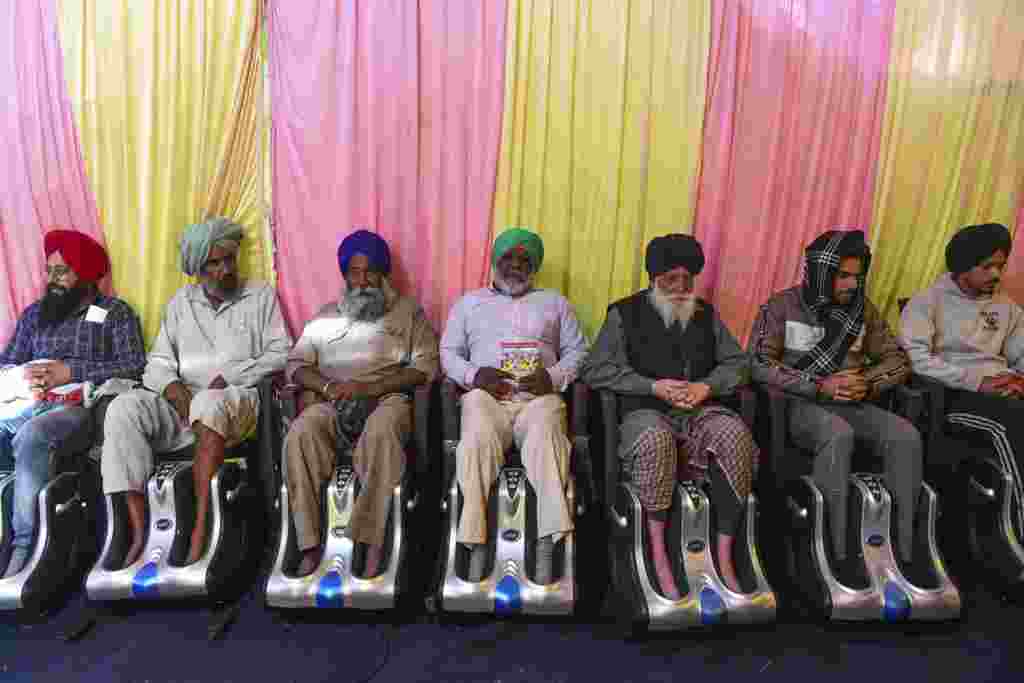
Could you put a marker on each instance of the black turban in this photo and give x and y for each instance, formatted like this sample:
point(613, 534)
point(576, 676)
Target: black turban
point(975, 243)
point(671, 251)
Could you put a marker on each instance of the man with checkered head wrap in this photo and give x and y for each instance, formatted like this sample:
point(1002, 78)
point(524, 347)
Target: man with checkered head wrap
point(513, 348)
point(669, 357)
point(826, 345)
point(968, 333)
point(218, 339)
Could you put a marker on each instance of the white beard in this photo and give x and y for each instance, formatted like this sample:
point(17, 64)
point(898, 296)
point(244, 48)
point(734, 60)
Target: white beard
point(367, 303)
point(516, 288)
point(670, 311)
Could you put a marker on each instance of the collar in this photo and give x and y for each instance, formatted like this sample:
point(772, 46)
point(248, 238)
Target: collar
point(196, 294)
point(493, 289)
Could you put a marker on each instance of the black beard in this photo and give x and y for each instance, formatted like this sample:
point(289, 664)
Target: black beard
point(59, 302)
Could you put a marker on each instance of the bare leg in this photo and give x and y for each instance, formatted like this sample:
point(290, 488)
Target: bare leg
point(310, 561)
point(373, 555)
point(725, 564)
point(662, 563)
point(136, 504)
point(209, 458)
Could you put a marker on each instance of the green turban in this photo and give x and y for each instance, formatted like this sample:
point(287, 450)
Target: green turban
point(519, 238)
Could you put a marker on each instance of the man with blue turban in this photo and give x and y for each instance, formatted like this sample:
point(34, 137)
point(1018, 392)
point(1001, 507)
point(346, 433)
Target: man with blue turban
point(514, 349)
point(359, 360)
point(219, 338)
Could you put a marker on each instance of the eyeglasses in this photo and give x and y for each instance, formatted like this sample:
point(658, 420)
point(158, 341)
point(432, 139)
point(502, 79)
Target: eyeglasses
point(57, 272)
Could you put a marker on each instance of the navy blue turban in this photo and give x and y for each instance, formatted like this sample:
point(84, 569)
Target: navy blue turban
point(369, 244)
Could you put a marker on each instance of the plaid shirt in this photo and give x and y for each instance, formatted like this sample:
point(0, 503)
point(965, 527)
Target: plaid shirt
point(95, 352)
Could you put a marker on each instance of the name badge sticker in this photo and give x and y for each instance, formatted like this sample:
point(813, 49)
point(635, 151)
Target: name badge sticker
point(95, 314)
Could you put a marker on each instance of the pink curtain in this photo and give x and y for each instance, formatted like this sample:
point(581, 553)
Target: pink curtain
point(1013, 280)
point(795, 106)
point(42, 175)
point(386, 115)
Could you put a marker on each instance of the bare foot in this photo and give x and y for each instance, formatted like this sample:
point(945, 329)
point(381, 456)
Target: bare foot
point(197, 545)
point(133, 553)
point(309, 563)
point(373, 555)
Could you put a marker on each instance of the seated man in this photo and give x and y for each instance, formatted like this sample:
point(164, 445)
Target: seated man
point(218, 339)
point(75, 334)
point(486, 329)
point(826, 345)
point(359, 360)
point(967, 333)
point(669, 355)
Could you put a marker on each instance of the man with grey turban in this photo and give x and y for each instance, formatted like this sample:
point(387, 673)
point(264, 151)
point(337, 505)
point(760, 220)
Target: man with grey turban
point(966, 332)
point(218, 339)
point(668, 356)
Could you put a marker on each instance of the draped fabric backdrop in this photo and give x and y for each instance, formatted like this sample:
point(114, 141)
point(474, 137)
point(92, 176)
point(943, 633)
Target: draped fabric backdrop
point(386, 115)
point(42, 178)
point(796, 97)
point(166, 96)
point(953, 149)
point(601, 139)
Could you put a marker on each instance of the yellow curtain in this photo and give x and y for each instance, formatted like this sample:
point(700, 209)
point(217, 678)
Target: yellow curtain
point(953, 146)
point(169, 103)
point(604, 103)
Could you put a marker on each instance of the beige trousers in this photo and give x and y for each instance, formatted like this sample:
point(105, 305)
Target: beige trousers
point(378, 458)
point(489, 427)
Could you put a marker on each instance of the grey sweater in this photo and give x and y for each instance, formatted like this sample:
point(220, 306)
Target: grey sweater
point(959, 340)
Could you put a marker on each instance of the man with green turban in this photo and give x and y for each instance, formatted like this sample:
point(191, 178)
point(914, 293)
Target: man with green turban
point(514, 349)
point(218, 339)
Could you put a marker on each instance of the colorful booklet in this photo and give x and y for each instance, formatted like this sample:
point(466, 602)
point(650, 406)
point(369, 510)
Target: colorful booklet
point(520, 358)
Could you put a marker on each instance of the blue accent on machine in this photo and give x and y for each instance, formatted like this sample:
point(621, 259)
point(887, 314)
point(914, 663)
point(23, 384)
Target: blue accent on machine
point(330, 591)
point(507, 600)
point(712, 607)
point(897, 603)
point(145, 584)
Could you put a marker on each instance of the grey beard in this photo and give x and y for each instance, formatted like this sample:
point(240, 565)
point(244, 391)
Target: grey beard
point(364, 304)
point(670, 312)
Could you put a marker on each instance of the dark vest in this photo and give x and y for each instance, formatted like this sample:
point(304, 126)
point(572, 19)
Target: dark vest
point(660, 353)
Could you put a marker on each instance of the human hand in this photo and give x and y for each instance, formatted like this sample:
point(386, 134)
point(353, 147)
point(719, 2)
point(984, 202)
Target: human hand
point(539, 383)
point(497, 383)
point(180, 396)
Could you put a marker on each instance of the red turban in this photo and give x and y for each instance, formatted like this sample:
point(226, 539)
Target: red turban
point(82, 253)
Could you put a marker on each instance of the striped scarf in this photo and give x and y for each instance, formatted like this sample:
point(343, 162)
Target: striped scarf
point(842, 323)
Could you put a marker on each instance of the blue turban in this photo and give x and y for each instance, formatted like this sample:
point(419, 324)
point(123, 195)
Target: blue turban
point(369, 244)
point(200, 238)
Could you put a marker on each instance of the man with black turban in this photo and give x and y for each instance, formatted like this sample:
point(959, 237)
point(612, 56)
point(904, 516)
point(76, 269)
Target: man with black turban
point(218, 339)
point(359, 360)
point(73, 334)
point(826, 345)
point(967, 333)
point(669, 356)
point(514, 348)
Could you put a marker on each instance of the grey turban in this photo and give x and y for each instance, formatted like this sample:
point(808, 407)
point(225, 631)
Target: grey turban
point(200, 238)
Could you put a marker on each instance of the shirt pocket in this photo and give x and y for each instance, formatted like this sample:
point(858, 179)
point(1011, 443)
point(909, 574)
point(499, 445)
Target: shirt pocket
point(237, 343)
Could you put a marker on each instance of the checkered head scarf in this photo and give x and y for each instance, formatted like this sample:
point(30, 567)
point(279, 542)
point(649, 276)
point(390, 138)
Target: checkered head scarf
point(842, 322)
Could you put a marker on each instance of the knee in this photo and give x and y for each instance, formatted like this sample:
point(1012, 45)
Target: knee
point(123, 413)
point(31, 436)
point(654, 441)
point(838, 433)
point(208, 407)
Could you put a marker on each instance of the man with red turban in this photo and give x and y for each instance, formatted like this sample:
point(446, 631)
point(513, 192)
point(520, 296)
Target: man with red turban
point(73, 334)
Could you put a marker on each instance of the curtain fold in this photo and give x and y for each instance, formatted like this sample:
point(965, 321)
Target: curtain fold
point(386, 115)
point(601, 137)
point(166, 96)
point(796, 97)
point(42, 178)
point(953, 147)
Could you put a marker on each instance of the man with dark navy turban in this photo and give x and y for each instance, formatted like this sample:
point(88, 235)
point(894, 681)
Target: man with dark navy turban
point(966, 332)
point(218, 339)
point(359, 360)
point(669, 357)
point(73, 334)
point(514, 349)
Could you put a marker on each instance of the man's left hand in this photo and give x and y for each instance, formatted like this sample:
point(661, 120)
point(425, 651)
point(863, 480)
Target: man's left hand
point(538, 384)
point(695, 394)
point(45, 376)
